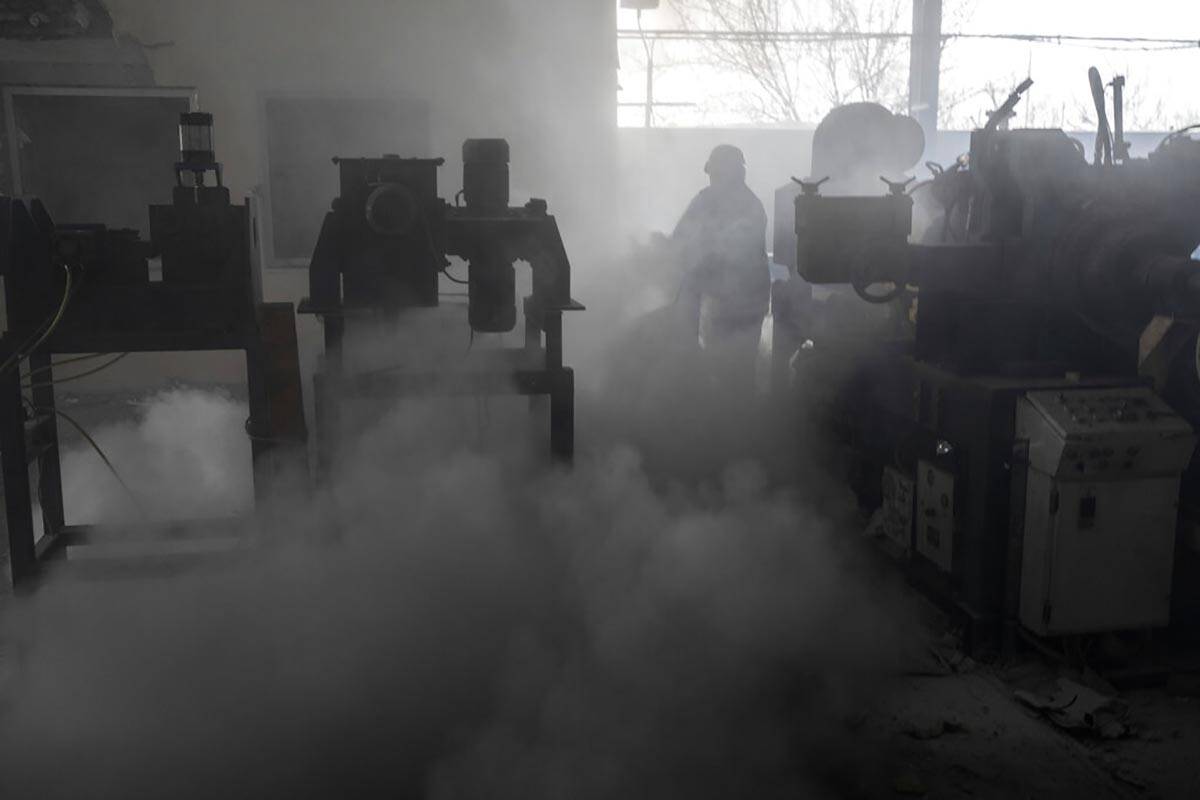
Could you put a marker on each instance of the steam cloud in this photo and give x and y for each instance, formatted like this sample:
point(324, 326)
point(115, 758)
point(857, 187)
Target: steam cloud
point(187, 457)
point(478, 626)
point(452, 619)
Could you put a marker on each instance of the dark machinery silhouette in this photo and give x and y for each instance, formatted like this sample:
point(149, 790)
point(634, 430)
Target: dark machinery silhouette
point(1025, 419)
point(88, 289)
point(381, 251)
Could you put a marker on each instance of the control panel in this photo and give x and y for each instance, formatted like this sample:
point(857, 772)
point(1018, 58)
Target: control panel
point(1109, 433)
point(1101, 508)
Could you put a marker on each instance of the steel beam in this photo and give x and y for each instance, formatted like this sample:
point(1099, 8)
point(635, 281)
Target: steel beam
point(925, 64)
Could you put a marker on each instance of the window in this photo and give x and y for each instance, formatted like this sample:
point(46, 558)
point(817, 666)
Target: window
point(762, 63)
point(785, 63)
point(95, 155)
point(1147, 44)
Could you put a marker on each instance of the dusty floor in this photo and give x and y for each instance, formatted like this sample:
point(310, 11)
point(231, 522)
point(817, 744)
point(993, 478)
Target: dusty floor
point(954, 728)
point(964, 735)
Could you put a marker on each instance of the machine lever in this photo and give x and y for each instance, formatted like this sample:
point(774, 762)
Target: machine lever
point(897, 188)
point(1001, 114)
point(810, 188)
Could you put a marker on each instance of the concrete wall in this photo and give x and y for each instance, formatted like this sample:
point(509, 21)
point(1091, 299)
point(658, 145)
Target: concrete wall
point(542, 74)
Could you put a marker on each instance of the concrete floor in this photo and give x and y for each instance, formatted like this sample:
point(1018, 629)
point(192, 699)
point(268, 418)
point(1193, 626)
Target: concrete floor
point(952, 727)
point(957, 731)
point(964, 735)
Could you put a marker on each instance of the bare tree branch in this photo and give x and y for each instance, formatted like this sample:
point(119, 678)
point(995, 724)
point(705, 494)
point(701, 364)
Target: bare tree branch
point(798, 81)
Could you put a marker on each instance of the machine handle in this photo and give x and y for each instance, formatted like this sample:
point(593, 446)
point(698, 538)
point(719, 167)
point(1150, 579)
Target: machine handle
point(897, 188)
point(1104, 145)
point(810, 188)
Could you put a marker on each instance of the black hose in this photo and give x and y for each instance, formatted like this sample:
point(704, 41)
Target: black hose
point(878, 299)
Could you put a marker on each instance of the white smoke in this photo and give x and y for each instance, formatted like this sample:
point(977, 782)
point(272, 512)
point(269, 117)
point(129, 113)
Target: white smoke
point(185, 457)
point(451, 619)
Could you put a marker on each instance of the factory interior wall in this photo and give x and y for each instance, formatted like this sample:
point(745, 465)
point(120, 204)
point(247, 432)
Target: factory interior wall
point(542, 75)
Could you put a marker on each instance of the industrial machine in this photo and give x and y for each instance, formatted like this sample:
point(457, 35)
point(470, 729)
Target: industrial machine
point(1032, 389)
point(86, 289)
point(380, 254)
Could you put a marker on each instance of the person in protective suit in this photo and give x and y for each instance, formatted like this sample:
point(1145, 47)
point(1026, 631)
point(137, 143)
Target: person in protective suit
point(727, 285)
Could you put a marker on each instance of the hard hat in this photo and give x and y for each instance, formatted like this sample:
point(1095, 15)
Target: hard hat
point(725, 155)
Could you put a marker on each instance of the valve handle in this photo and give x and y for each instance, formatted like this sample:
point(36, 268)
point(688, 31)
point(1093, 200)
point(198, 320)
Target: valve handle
point(810, 188)
point(897, 188)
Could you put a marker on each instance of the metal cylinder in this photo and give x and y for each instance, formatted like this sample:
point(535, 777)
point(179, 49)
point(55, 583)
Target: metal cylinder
point(492, 295)
point(196, 138)
point(485, 175)
point(391, 210)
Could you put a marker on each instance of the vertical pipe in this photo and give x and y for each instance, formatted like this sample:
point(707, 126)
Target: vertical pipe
point(14, 463)
point(1120, 146)
point(649, 88)
point(562, 416)
point(50, 494)
point(552, 325)
point(259, 423)
point(925, 64)
point(649, 47)
point(327, 411)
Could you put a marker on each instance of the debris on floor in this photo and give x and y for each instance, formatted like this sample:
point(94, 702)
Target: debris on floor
point(1080, 710)
point(932, 728)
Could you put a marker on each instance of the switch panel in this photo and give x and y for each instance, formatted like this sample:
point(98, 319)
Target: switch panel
point(1101, 500)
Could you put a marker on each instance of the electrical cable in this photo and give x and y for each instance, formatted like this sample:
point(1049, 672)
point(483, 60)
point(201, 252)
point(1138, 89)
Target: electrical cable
point(84, 374)
point(1120, 42)
point(62, 310)
point(860, 281)
point(878, 299)
point(63, 363)
point(44, 330)
point(435, 251)
point(103, 457)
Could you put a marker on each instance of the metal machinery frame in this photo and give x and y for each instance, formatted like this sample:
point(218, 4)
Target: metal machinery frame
point(87, 289)
point(1041, 272)
point(381, 251)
